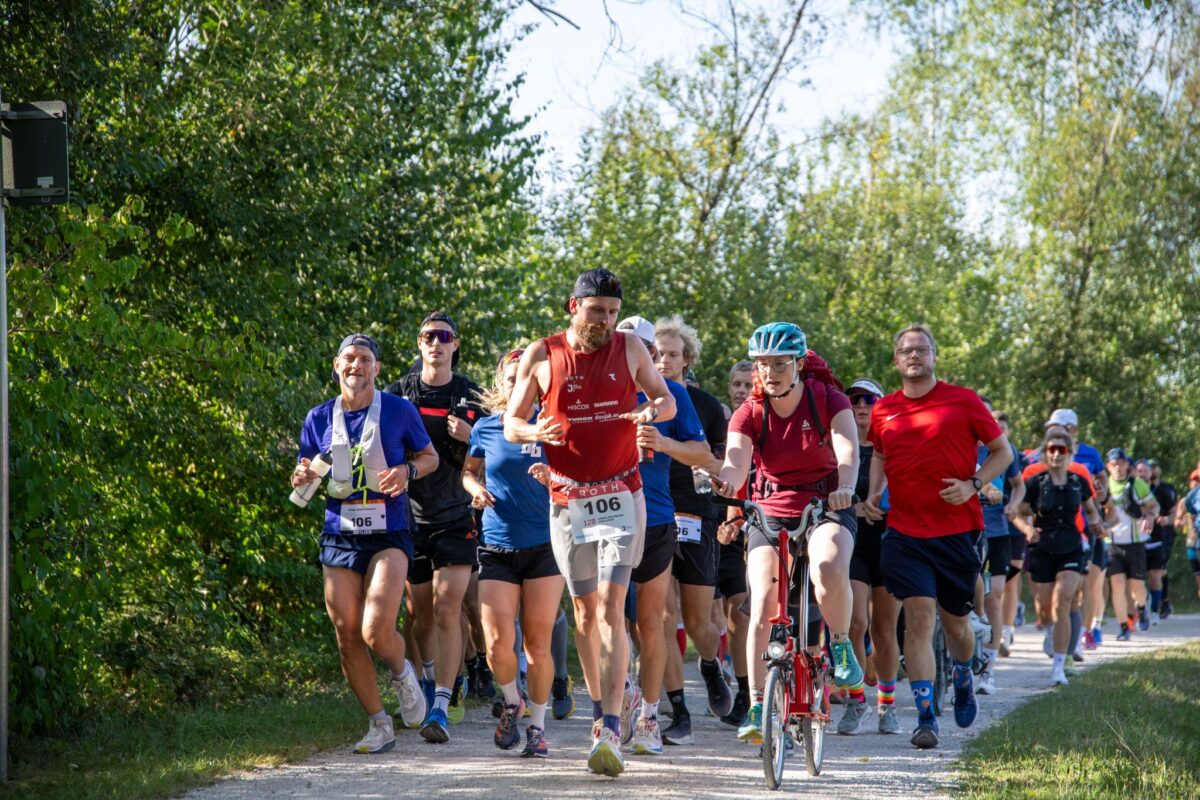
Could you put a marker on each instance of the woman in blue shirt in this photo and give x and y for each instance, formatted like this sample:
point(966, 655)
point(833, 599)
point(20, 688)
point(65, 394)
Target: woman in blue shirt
point(516, 565)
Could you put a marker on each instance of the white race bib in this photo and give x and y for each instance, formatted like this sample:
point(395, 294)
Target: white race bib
point(368, 517)
point(601, 512)
point(689, 527)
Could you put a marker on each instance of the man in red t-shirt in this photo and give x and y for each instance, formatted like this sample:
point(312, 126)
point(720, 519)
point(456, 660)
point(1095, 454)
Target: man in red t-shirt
point(587, 378)
point(925, 439)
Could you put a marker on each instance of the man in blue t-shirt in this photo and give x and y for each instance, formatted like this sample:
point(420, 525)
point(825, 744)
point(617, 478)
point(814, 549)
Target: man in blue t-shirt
point(377, 446)
point(680, 438)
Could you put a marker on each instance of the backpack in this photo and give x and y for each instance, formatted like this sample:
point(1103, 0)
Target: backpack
point(410, 387)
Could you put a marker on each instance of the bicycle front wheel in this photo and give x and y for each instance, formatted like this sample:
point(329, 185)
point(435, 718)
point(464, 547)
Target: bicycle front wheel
point(774, 727)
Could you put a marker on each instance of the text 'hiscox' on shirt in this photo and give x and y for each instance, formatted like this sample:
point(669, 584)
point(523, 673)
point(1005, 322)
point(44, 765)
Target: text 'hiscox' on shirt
point(401, 432)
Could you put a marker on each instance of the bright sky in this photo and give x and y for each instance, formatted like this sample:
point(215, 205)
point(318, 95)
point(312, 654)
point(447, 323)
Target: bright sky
point(570, 78)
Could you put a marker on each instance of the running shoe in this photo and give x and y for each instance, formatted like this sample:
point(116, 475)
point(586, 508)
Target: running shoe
point(1165, 609)
point(1131, 621)
point(507, 734)
point(679, 731)
point(630, 707)
point(1143, 619)
point(965, 707)
point(1048, 643)
point(484, 684)
point(436, 729)
point(737, 715)
point(562, 703)
point(1070, 670)
point(1089, 641)
point(646, 740)
point(1006, 641)
point(1125, 635)
point(498, 708)
point(1077, 657)
point(846, 670)
point(720, 699)
point(854, 720)
point(605, 757)
point(1098, 635)
point(751, 729)
point(887, 720)
point(1058, 678)
point(413, 707)
point(926, 734)
point(535, 743)
point(457, 710)
point(1019, 619)
point(380, 738)
point(986, 684)
point(430, 689)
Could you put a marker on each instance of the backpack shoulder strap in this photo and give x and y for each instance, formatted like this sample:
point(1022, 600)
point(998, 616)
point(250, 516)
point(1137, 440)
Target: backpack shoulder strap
point(817, 409)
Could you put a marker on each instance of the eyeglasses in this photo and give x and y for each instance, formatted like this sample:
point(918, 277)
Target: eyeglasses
point(860, 399)
point(437, 335)
point(773, 366)
point(920, 350)
point(1057, 450)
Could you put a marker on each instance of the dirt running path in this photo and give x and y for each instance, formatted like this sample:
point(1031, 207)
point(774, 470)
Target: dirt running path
point(717, 766)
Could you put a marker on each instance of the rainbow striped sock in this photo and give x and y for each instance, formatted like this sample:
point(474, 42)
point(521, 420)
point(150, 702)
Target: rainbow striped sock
point(887, 692)
point(858, 693)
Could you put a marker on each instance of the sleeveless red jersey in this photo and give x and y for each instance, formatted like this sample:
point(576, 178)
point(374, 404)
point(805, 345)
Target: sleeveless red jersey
point(587, 393)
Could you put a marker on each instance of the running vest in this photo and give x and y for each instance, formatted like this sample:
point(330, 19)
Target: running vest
point(341, 480)
point(1056, 508)
point(587, 393)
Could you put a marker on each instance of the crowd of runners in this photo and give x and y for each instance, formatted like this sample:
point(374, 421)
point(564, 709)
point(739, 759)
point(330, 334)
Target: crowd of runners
point(590, 462)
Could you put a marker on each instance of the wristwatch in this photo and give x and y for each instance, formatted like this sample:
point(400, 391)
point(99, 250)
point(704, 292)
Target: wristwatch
point(978, 484)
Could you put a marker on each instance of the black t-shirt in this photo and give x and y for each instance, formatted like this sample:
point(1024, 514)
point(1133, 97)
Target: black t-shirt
point(867, 530)
point(1054, 510)
point(683, 488)
point(439, 500)
point(1165, 494)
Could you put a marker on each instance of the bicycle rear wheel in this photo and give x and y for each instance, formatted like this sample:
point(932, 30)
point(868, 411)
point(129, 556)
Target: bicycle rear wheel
point(941, 672)
point(774, 727)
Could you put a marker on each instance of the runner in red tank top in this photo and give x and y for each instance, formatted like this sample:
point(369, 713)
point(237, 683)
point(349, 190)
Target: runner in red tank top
point(587, 377)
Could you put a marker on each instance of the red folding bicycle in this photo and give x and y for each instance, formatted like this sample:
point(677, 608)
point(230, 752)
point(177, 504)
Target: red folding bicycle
point(796, 699)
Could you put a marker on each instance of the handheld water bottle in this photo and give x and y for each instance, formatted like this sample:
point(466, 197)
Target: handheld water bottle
point(320, 465)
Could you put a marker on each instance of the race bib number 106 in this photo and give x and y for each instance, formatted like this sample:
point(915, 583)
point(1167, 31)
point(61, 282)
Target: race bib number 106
point(600, 512)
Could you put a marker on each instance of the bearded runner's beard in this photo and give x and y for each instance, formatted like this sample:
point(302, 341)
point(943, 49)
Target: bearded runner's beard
point(591, 336)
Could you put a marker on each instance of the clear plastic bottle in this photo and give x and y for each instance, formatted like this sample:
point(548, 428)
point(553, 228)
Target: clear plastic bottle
point(320, 465)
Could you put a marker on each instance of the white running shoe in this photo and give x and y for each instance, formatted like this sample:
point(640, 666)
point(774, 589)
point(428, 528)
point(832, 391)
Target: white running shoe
point(380, 737)
point(1058, 678)
point(413, 706)
point(647, 739)
point(1048, 643)
point(605, 757)
point(631, 707)
point(985, 683)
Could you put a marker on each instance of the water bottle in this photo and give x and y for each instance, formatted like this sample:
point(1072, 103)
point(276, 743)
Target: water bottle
point(320, 465)
point(701, 481)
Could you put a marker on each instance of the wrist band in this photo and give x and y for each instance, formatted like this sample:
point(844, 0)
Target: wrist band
point(412, 470)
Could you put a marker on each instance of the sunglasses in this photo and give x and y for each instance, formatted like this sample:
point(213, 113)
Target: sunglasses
point(437, 335)
point(860, 399)
point(1058, 450)
point(511, 356)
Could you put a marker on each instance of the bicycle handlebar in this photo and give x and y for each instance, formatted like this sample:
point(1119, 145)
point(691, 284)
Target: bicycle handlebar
point(816, 508)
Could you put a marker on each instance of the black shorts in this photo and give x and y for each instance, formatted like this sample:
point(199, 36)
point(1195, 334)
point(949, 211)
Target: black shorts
point(1100, 553)
point(865, 561)
point(1017, 547)
point(1044, 566)
point(1157, 557)
point(516, 566)
point(696, 562)
point(356, 552)
point(434, 548)
point(1128, 560)
point(999, 555)
point(657, 553)
point(942, 567)
point(756, 537)
point(731, 568)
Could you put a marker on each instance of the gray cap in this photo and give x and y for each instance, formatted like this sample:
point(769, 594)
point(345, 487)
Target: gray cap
point(866, 385)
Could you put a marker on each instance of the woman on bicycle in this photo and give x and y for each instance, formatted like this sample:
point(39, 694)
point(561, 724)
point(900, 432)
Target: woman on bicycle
point(799, 431)
point(1056, 559)
point(516, 566)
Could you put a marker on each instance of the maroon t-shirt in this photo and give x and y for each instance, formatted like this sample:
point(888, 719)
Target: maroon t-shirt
point(925, 440)
point(792, 453)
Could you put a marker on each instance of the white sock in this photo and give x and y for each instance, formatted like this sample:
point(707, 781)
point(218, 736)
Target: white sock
point(379, 716)
point(649, 710)
point(427, 670)
point(992, 655)
point(1059, 658)
point(511, 695)
point(441, 699)
point(1008, 630)
point(537, 715)
point(404, 673)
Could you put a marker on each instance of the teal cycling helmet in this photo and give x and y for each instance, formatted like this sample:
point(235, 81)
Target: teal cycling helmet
point(778, 339)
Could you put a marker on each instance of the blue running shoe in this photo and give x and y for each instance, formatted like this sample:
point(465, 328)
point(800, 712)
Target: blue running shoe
point(429, 688)
point(965, 707)
point(1125, 635)
point(436, 727)
point(1098, 635)
point(926, 734)
point(846, 671)
point(1019, 619)
point(1143, 619)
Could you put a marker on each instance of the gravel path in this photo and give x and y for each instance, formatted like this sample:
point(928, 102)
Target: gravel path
point(867, 766)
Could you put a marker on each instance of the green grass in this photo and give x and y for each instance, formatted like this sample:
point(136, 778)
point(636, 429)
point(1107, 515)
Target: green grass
point(1129, 729)
point(162, 756)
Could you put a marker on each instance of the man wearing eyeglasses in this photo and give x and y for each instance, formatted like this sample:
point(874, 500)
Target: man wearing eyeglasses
point(925, 436)
point(445, 540)
point(588, 377)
